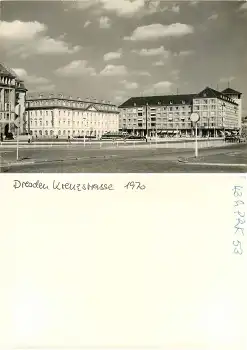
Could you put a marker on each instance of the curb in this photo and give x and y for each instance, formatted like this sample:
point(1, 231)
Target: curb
point(41, 161)
point(218, 164)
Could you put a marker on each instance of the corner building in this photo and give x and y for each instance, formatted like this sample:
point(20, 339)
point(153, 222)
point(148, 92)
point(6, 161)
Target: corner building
point(12, 92)
point(64, 116)
point(220, 113)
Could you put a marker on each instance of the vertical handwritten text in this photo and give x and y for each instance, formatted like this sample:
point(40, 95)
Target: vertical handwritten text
point(239, 219)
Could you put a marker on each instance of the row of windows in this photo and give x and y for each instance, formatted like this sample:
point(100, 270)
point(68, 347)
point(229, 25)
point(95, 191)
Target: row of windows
point(41, 122)
point(71, 104)
point(205, 102)
point(68, 113)
point(65, 132)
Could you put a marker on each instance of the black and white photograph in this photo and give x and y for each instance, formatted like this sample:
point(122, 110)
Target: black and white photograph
point(120, 86)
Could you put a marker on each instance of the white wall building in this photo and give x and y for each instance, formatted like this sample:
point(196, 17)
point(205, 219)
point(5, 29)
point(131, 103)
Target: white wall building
point(220, 113)
point(64, 116)
point(12, 91)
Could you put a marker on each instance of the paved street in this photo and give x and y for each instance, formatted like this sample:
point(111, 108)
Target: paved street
point(73, 159)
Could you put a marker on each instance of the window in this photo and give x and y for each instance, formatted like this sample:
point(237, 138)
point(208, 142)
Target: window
point(46, 123)
point(46, 132)
point(51, 132)
point(59, 132)
point(40, 132)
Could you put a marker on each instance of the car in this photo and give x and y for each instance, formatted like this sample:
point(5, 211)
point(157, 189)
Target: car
point(9, 136)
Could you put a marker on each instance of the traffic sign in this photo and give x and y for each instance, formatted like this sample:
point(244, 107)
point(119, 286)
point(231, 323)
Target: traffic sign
point(194, 117)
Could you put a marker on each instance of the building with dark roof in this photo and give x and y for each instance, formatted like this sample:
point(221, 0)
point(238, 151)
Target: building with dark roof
point(63, 116)
point(219, 112)
point(12, 92)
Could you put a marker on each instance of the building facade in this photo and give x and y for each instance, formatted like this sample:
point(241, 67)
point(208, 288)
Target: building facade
point(220, 113)
point(63, 117)
point(12, 92)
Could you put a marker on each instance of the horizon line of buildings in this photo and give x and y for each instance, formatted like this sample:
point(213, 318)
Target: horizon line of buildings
point(57, 115)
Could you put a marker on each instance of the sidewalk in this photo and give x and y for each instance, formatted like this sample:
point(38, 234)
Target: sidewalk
point(229, 159)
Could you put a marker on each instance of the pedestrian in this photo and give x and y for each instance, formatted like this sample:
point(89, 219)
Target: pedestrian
point(1, 137)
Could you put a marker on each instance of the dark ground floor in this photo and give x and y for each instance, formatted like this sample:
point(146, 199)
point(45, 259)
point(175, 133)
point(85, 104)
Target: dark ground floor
point(182, 132)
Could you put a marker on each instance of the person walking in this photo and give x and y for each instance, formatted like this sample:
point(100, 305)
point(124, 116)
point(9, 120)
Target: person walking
point(1, 137)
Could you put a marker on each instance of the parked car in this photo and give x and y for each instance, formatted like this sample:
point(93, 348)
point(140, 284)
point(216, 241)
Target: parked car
point(9, 136)
point(132, 137)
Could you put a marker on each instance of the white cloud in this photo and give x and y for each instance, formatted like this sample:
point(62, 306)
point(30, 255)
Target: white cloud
point(142, 73)
point(119, 99)
point(213, 17)
point(113, 55)
point(175, 8)
point(243, 7)
point(156, 31)
point(129, 85)
point(18, 30)
point(81, 4)
point(193, 2)
point(123, 7)
point(33, 82)
point(75, 69)
point(111, 70)
point(28, 38)
point(158, 63)
point(185, 53)
point(104, 22)
point(52, 46)
point(30, 79)
point(153, 52)
point(87, 23)
point(226, 80)
point(162, 87)
point(42, 88)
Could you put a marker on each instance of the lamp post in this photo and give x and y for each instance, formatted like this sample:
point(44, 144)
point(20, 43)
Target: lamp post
point(195, 118)
point(146, 122)
point(208, 126)
point(84, 131)
point(223, 124)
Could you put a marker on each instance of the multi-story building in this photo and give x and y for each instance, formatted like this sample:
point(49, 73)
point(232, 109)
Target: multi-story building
point(12, 92)
point(60, 116)
point(220, 113)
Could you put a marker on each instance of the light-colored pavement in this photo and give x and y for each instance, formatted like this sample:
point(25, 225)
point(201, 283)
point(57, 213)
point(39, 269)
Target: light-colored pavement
point(80, 159)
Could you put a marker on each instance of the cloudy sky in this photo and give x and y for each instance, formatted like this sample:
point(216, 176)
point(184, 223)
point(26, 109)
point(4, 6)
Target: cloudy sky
point(114, 49)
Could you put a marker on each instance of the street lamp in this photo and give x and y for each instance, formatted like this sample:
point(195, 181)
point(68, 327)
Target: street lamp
point(223, 124)
point(84, 131)
point(195, 118)
point(146, 122)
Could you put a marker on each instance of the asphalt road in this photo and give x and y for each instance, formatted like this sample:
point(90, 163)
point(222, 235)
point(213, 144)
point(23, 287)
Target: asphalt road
point(77, 159)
